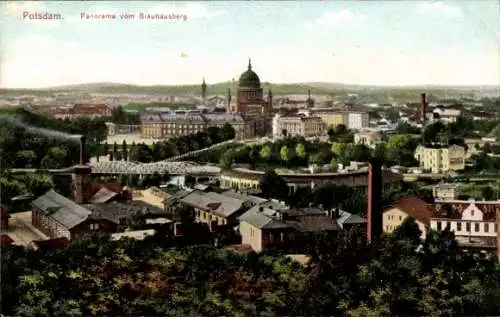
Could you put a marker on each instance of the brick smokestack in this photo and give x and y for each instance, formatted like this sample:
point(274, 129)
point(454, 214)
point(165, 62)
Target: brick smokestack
point(374, 225)
point(82, 150)
point(81, 177)
point(423, 107)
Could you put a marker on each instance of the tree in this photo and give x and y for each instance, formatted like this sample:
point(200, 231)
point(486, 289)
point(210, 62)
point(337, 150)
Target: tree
point(106, 148)
point(55, 158)
point(338, 149)
point(124, 150)
point(227, 159)
point(38, 184)
point(300, 151)
point(334, 165)
point(486, 148)
point(115, 150)
point(285, 154)
point(273, 186)
point(265, 153)
point(227, 132)
point(25, 159)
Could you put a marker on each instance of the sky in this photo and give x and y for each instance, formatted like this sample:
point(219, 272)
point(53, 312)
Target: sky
point(353, 42)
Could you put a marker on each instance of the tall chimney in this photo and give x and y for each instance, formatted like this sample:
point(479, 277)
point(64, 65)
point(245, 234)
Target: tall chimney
point(82, 150)
point(423, 107)
point(81, 177)
point(374, 225)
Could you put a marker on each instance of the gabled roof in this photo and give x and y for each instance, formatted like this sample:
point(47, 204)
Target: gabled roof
point(310, 223)
point(254, 200)
point(415, 208)
point(213, 202)
point(457, 207)
point(348, 218)
point(116, 188)
point(61, 209)
point(103, 195)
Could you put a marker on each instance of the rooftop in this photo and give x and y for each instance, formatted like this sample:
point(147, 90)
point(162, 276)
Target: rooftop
point(61, 209)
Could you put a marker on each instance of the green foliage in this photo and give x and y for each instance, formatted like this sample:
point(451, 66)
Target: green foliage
point(345, 277)
point(273, 186)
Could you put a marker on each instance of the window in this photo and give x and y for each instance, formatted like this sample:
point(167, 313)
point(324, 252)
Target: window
point(400, 218)
point(94, 226)
point(486, 227)
point(459, 226)
point(476, 227)
point(271, 238)
point(467, 227)
point(439, 226)
point(472, 213)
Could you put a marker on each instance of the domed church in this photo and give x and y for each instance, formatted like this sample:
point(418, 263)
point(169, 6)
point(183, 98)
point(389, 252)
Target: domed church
point(250, 97)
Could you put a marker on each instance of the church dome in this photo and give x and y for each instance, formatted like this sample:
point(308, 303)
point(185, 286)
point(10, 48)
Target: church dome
point(249, 79)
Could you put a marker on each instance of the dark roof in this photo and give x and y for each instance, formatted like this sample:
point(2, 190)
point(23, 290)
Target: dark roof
point(52, 243)
point(114, 211)
point(103, 195)
point(415, 208)
point(61, 209)
point(310, 222)
point(176, 197)
point(249, 79)
point(5, 239)
point(254, 200)
point(348, 218)
point(456, 209)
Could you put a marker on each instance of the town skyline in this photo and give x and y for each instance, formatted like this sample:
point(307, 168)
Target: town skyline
point(358, 43)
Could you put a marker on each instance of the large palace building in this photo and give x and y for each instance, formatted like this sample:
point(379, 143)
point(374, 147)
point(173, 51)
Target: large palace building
point(250, 115)
point(250, 96)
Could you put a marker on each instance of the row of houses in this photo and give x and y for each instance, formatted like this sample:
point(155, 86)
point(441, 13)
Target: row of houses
point(261, 223)
point(473, 222)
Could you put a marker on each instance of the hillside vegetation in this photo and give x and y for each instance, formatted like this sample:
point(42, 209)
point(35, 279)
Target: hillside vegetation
point(408, 93)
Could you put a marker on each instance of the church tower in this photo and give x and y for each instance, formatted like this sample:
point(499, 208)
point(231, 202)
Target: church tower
point(310, 101)
point(228, 98)
point(269, 101)
point(203, 91)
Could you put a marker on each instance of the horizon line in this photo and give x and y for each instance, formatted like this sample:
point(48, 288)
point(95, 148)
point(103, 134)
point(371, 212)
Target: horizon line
point(497, 86)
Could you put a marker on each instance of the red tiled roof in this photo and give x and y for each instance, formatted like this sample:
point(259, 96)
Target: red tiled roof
point(52, 243)
point(415, 208)
point(489, 210)
point(5, 239)
point(116, 188)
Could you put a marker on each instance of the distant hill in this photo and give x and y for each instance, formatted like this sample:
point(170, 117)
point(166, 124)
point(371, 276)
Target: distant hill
point(317, 88)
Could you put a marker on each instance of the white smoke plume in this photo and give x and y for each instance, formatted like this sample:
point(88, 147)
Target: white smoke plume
point(51, 134)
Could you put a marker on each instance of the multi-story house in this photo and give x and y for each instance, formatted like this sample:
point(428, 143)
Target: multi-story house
point(412, 207)
point(297, 126)
point(357, 120)
point(267, 227)
point(439, 159)
point(446, 191)
point(474, 223)
point(168, 125)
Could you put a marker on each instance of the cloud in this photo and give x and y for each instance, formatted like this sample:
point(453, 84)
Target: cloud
point(335, 18)
point(440, 8)
point(16, 8)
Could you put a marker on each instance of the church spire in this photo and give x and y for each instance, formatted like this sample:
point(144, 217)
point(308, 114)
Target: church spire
point(249, 63)
point(203, 89)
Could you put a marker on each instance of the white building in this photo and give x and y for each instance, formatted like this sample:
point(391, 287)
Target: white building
point(357, 120)
point(471, 222)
